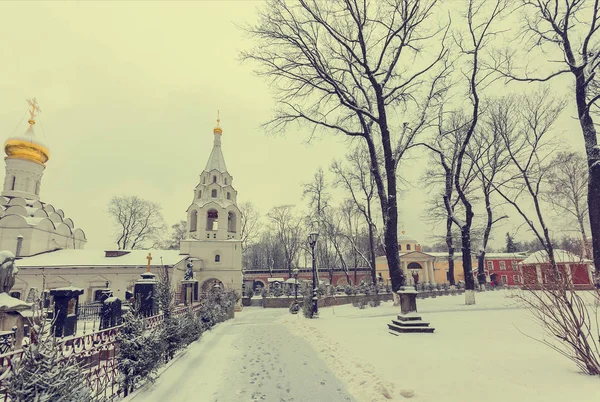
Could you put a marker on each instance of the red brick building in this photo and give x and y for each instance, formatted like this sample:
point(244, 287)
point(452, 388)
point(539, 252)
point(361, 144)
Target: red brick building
point(503, 268)
point(576, 270)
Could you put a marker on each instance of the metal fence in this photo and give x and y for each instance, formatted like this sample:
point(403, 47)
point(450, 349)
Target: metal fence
point(97, 350)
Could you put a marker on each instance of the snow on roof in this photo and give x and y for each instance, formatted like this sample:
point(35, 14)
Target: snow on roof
point(506, 255)
point(9, 303)
point(92, 258)
point(560, 256)
point(274, 279)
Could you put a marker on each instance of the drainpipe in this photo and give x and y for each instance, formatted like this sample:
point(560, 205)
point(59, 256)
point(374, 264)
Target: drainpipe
point(19, 245)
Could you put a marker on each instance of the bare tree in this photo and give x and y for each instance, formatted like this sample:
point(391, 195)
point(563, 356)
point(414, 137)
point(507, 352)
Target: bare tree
point(250, 223)
point(286, 228)
point(446, 147)
point(356, 68)
point(178, 233)
point(568, 181)
point(569, 28)
point(357, 179)
point(488, 153)
point(318, 197)
point(480, 17)
point(138, 221)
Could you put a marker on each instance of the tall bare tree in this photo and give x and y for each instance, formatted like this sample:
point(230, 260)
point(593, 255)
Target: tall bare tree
point(356, 68)
point(568, 29)
point(357, 179)
point(137, 221)
point(178, 233)
point(568, 185)
point(250, 225)
point(286, 227)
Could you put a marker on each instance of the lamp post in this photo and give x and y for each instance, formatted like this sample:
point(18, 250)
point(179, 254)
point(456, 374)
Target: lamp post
point(295, 272)
point(312, 240)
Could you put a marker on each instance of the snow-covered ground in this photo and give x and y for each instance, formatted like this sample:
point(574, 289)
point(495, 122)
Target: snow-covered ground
point(477, 353)
point(250, 358)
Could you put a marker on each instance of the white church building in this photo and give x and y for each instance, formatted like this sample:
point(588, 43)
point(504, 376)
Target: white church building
point(50, 249)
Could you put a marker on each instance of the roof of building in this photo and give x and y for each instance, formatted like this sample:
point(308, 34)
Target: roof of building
point(508, 256)
point(98, 258)
point(216, 161)
point(560, 256)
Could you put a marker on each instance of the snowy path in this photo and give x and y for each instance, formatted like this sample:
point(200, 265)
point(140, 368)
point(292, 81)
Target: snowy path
point(250, 358)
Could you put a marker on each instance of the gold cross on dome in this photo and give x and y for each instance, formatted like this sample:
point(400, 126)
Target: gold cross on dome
point(34, 110)
point(218, 117)
point(149, 258)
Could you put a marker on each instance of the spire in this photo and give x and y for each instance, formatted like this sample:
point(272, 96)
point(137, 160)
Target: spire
point(217, 129)
point(216, 160)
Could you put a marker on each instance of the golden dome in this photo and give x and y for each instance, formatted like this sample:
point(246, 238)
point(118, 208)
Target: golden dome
point(217, 129)
point(28, 146)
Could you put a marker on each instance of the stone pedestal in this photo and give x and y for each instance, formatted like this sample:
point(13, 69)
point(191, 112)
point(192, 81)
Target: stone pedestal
point(13, 318)
point(145, 294)
point(408, 300)
point(189, 289)
point(66, 302)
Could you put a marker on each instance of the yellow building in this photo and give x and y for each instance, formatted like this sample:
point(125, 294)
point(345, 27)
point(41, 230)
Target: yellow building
point(429, 267)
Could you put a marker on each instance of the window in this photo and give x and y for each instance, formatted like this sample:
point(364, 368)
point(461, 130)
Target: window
point(13, 183)
point(213, 193)
point(199, 194)
point(194, 221)
point(502, 265)
point(217, 258)
point(400, 247)
point(228, 195)
point(203, 180)
point(408, 247)
point(490, 265)
point(208, 235)
point(37, 188)
point(514, 265)
point(504, 279)
point(226, 181)
point(516, 279)
point(214, 179)
point(214, 235)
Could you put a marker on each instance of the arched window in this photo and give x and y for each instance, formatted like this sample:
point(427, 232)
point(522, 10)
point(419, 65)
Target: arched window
point(212, 217)
point(214, 179)
point(37, 188)
point(408, 247)
point(199, 194)
point(194, 221)
point(226, 181)
point(213, 193)
point(400, 247)
point(203, 180)
point(13, 183)
point(217, 258)
point(228, 195)
point(231, 224)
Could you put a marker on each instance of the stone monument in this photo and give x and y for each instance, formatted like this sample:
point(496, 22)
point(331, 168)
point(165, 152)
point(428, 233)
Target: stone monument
point(145, 292)
point(189, 285)
point(66, 303)
point(15, 314)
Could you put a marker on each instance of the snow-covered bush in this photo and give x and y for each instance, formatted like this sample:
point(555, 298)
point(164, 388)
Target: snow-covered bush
point(294, 307)
point(43, 374)
point(375, 302)
point(141, 351)
point(349, 290)
point(216, 307)
point(249, 292)
point(264, 293)
point(191, 328)
point(289, 291)
point(278, 291)
point(307, 294)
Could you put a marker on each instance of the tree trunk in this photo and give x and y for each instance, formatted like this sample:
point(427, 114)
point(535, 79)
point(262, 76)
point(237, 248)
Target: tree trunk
point(450, 244)
point(372, 254)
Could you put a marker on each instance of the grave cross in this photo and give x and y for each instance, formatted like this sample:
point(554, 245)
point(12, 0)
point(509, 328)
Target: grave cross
point(149, 258)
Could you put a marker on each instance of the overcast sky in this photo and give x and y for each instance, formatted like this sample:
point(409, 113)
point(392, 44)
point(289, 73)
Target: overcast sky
point(129, 93)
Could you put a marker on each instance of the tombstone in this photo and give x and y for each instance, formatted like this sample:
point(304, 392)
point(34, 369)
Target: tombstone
point(110, 315)
point(145, 294)
point(408, 300)
point(66, 304)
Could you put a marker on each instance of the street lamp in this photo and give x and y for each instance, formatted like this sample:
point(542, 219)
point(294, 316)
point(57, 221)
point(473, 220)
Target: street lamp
point(312, 240)
point(295, 272)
